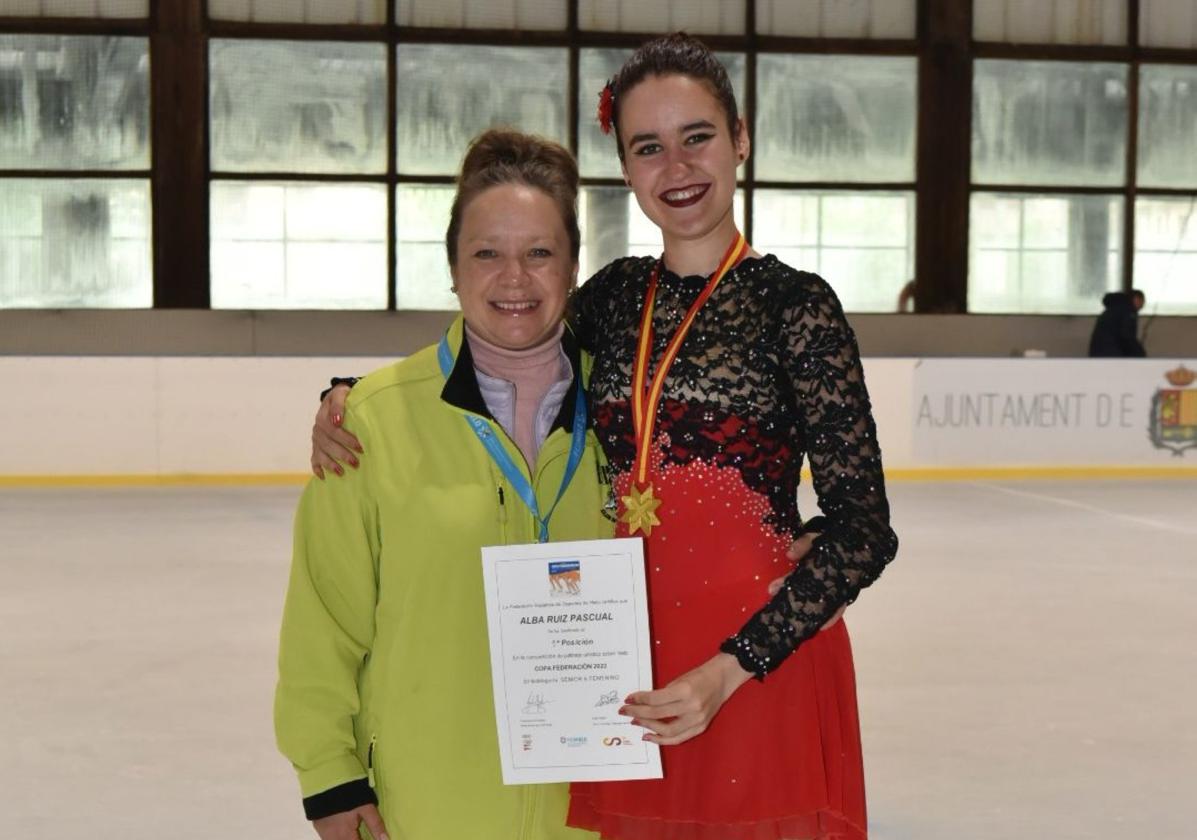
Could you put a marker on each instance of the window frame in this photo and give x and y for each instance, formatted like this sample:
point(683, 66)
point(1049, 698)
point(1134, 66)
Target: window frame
point(179, 32)
point(115, 27)
point(1133, 55)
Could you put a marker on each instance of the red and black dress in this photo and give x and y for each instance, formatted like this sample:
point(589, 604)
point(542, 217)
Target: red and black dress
point(769, 373)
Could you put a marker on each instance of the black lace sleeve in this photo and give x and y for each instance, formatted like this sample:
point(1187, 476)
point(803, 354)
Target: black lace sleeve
point(586, 306)
point(857, 541)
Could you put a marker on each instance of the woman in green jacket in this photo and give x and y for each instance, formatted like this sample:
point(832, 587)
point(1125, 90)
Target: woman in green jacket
point(384, 699)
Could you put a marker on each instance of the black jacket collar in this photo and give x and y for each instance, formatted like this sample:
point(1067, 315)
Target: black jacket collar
point(461, 388)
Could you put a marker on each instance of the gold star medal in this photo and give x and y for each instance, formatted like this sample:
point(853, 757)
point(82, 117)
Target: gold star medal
point(640, 510)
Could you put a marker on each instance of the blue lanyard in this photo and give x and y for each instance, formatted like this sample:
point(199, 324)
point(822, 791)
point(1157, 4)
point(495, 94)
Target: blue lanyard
point(510, 471)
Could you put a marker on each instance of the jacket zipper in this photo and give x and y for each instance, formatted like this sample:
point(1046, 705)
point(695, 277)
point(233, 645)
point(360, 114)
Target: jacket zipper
point(542, 464)
point(534, 477)
point(502, 514)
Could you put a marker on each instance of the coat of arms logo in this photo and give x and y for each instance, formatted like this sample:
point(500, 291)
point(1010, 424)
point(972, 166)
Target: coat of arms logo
point(1173, 423)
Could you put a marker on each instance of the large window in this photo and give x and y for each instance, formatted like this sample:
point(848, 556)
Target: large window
point(827, 119)
point(279, 111)
point(74, 147)
point(1083, 172)
point(292, 154)
point(433, 131)
point(1054, 125)
point(1165, 223)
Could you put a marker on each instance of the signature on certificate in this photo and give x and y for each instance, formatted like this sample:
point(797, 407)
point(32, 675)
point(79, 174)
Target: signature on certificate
point(536, 705)
point(609, 698)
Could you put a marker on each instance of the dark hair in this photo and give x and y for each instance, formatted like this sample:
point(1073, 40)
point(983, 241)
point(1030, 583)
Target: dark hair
point(504, 156)
point(1135, 293)
point(678, 54)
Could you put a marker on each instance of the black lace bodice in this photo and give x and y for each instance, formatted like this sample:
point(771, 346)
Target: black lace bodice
point(769, 372)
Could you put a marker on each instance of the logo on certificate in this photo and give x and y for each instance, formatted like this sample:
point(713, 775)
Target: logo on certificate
point(565, 577)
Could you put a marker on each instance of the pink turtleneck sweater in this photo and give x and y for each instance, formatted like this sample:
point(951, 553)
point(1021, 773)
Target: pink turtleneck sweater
point(523, 389)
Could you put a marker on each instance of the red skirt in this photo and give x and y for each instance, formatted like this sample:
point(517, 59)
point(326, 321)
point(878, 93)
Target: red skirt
point(782, 759)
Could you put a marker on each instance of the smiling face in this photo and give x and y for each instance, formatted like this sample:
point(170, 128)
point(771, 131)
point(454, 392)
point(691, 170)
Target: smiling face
point(680, 160)
point(514, 267)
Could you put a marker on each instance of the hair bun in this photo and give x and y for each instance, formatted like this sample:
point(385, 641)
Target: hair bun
point(499, 147)
point(506, 156)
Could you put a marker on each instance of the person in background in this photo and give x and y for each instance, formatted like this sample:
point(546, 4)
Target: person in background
point(1116, 333)
point(906, 297)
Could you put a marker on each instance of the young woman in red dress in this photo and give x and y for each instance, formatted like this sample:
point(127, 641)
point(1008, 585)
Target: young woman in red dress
point(716, 370)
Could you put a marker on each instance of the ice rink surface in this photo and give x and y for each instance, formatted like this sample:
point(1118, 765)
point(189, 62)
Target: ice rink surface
point(1027, 667)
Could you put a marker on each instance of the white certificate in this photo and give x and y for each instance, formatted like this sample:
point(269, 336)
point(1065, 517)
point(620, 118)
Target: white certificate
point(568, 642)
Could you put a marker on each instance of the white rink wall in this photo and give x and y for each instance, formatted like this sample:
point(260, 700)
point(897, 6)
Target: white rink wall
point(145, 416)
point(213, 417)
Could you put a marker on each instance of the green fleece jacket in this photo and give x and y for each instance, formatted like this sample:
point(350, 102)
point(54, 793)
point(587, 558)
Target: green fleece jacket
point(384, 671)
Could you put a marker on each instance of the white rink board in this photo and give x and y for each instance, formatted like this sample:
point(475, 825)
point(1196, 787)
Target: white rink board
point(169, 416)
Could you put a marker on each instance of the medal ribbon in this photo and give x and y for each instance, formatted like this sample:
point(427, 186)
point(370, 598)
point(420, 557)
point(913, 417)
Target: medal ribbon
point(645, 401)
point(514, 475)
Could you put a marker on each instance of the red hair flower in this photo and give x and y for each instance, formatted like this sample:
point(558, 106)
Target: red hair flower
point(606, 108)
